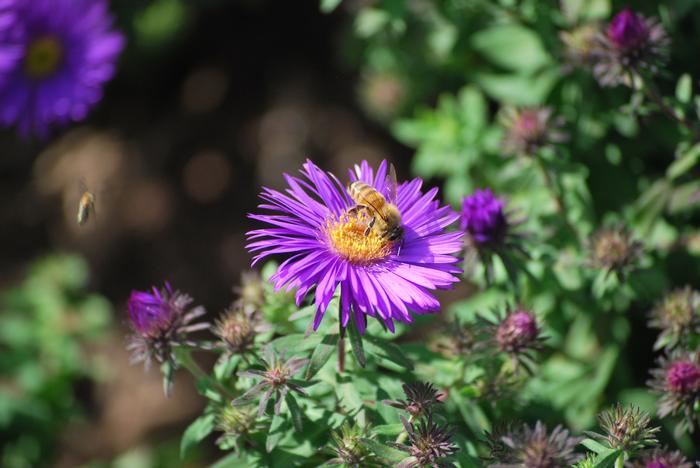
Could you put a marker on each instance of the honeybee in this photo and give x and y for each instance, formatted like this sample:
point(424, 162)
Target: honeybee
point(86, 205)
point(383, 213)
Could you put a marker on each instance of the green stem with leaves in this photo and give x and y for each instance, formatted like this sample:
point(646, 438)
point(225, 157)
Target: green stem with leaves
point(184, 358)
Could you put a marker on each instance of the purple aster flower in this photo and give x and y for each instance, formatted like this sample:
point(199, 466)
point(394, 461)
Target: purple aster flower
point(55, 57)
point(631, 45)
point(483, 218)
point(490, 230)
point(329, 245)
point(161, 321)
point(677, 380)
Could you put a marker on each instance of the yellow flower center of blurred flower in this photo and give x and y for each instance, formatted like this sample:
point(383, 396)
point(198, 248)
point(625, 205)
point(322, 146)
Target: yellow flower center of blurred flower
point(44, 56)
point(346, 236)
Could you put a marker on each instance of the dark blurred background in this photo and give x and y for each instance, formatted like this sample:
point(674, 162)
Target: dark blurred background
point(212, 100)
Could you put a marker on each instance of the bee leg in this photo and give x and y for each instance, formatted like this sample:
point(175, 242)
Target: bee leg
point(370, 226)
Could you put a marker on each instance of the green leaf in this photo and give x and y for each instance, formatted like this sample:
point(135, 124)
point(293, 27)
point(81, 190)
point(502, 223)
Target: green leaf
point(684, 89)
point(276, 432)
point(327, 6)
point(608, 459)
point(356, 342)
point(295, 411)
point(321, 355)
point(196, 432)
point(388, 351)
point(382, 450)
point(512, 47)
point(224, 367)
point(595, 446)
point(167, 370)
point(519, 89)
point(685, 197)
point(388, 429)
point(686, 161)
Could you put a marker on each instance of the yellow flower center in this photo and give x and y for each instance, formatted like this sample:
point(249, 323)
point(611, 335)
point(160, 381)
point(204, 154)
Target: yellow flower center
point(346, 235)
point(44, 56)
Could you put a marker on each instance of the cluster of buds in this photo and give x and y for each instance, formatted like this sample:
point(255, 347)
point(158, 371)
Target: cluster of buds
point(420, 399)
point(678, 318)
point(234, 422)
point(614, 250)
point(516, 333)
point(429, 443)
point(529, 130)
point(532, 447)
point(238, 328)
point(275, 377)
point(626, 428)
point(348, 450)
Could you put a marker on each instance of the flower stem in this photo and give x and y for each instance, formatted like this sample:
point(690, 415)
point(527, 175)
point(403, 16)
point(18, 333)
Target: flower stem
point(341, 354)
point(184, 357)
point(653, 94)
point(341, 339)
point(559, 203)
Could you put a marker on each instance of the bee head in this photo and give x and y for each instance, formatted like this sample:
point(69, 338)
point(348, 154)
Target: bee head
point(395, 233)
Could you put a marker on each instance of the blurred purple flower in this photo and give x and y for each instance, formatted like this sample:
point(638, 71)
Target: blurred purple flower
point(661, 458)
point(161, 321)
point(677, 380)
point(326, 246)
point(529, 130)
point(677, 316)
point(627, 29)
point(483, 218)
point(533, 448)
point(631, 45)
point(55, 57)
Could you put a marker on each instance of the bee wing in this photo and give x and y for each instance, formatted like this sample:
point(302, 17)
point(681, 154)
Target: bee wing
point(367, 202)
point(391, 184)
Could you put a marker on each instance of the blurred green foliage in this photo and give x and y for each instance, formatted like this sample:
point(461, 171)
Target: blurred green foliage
point(47, 324)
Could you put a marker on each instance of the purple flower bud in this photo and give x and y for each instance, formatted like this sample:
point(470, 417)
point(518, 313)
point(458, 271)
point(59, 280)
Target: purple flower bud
point(518, 331)
point(627, 30)
point(683, 377)
point(483, 217)
point(150, 312)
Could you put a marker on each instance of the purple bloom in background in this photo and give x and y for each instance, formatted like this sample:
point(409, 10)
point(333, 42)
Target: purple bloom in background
point(327, 246)
point(683, 377)
point(627, 29)
point(677, 380)
point(55, 57)
point(483, 218)
point(631, 46)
